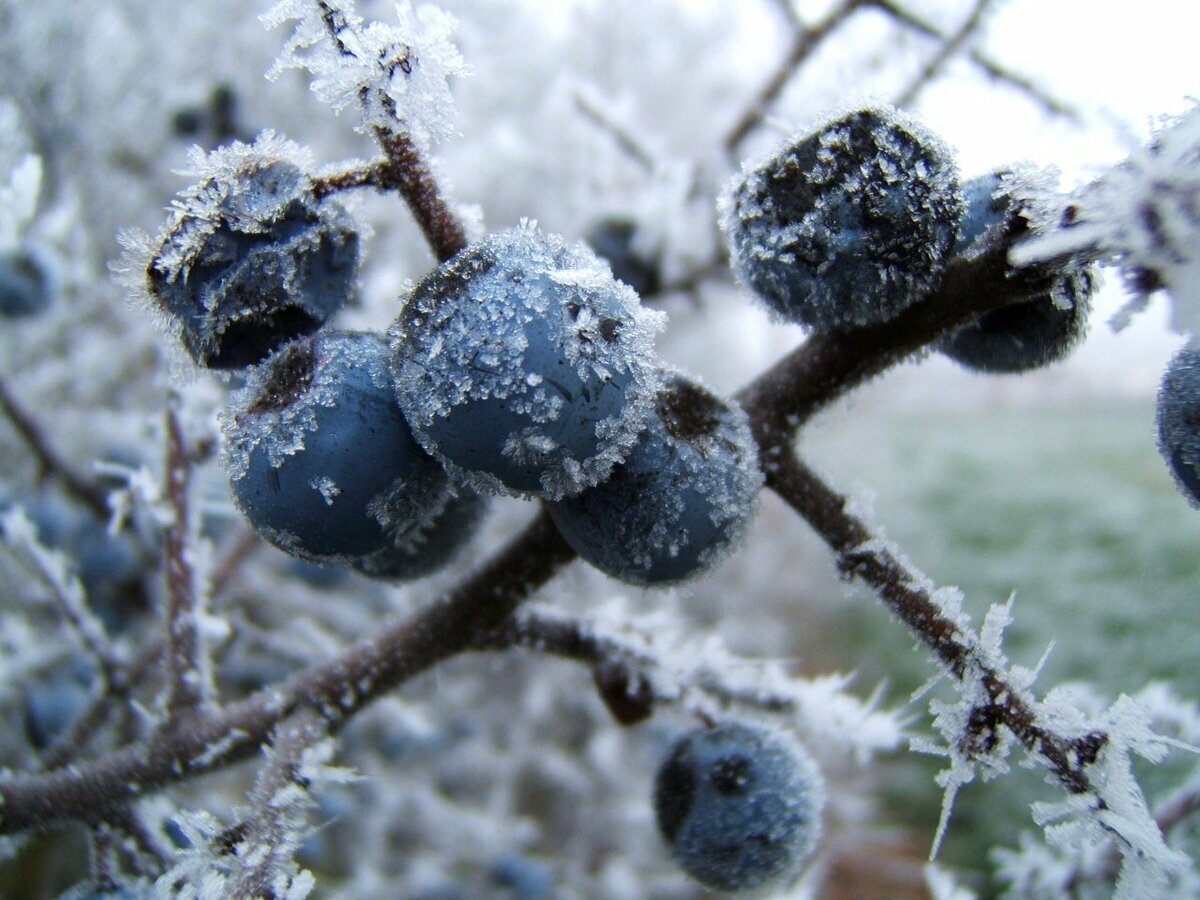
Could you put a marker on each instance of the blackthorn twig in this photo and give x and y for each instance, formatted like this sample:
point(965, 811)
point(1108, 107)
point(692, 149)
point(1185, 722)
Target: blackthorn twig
point(951, 47)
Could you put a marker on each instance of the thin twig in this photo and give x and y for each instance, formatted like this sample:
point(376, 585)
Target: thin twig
point(805, 42)
point(49, 459)
point(950, 48)
point(977, 57)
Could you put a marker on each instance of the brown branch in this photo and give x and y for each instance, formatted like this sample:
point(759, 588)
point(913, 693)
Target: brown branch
point(50, 461)
point(336, 690)
point(185, 649)
point(907, 595)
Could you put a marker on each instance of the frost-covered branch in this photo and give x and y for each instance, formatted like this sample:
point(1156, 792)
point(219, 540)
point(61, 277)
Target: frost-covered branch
point(336, 689)
point(187, 665)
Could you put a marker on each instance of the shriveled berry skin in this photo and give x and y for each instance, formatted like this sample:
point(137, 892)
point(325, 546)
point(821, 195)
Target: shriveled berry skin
point(320, 460)
point(848, 225)
point(269, 264)
point(1179, 421)
point(1026, 335)
point(25, 284)
point(740, 806)
point(681, 500)
point(428, 547)
point(524, 366)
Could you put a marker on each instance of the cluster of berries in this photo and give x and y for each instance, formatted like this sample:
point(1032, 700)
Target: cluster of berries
point(854, 223)
point(520, 366)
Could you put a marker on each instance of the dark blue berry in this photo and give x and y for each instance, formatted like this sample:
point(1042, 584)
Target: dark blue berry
point(267, 264)
point(320, 459)
point(430, 546)
point(739, 806)
point(525, 879)
point(524, 366)
point(25, 284)
point(1029, 334)
point(848, 225)
point(53, 705)
point(613, 241)
point(682, 498)
point(1179, 421)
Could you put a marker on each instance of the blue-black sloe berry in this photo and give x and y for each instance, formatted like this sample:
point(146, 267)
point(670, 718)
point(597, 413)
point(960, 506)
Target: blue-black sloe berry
point(524, 366)
point(1025, 335)
point(848, 225)
point(739, 805)
point(25, 283)
point(1179, 420)
point(320, 459)
point(681, 499)
point(251, 260)
point(613, 239)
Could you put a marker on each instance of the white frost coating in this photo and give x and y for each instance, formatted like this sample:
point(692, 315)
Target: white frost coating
point(1143, 216)
point(246, 186)
point(19, 190)
point(397, 75)
point(327, 489)
point(281, 431)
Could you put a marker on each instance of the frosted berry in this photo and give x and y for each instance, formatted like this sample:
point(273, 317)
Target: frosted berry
point(848, 225)
point(25, 284)
point(252, 260)
point(1025, 335)
point(681, 499)
point(739, 805)
point(432, 544)
point(1179, 421)
point(524, 366)
point(319, 458)
point(613, 239)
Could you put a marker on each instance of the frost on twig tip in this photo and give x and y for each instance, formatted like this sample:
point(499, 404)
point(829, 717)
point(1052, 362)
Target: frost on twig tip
point(397, 74)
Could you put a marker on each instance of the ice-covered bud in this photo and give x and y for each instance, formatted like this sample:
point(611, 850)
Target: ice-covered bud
point(848, 225)
point(252, 258)
point(1025, 335)
point(524, 366)
point(1179, 421)
point(739, 805)
point(319, 457)
point(680, 501)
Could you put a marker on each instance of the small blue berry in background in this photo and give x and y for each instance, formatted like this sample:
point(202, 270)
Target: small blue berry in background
point(614, 240)
point(680, 501)
point(739, 805)
point(53, 704)
point(432, 545)
point(524, 366)
point(253, 261)
point(848, 225)
point(1179, 421)
point(26, 287)
point(320, 459)
point(1025, 335)
point(524, 878)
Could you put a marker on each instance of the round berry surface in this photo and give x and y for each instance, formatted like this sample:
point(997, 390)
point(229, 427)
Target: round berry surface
point(1179, 421)
point(320, 459)
point(524, 366)
point(740, 806)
